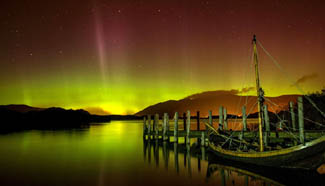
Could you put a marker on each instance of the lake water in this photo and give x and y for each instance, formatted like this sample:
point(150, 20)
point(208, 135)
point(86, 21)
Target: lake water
point(107, 154)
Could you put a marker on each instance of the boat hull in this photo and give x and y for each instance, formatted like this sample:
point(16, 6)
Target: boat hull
point(273, 175)
point(277, 158)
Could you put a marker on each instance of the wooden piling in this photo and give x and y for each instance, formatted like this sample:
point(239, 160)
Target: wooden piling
point(203, 153)
point(149, 126)
point(156, 123)
point(188, 126)
point(165, 126)
point(176, 127)
point(244, 118)
point(267, 124)
point(198, 120)
point(293, 117)
point(266, 119)
point(301, 120)
point(220, 117)
point(184, 121)
point(225, 122)
point(202, 139)
point(210, 118)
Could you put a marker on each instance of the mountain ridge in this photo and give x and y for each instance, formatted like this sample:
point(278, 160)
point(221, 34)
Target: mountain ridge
point(211, 100)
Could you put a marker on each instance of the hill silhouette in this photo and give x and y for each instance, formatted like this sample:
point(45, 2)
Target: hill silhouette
point(211, 100)
point(20, 108)
point(22, 117)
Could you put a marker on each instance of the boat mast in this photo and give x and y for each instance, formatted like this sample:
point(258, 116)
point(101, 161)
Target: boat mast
point(260, 96)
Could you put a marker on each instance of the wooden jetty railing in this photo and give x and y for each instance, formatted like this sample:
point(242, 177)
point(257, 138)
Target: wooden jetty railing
point(160, 129)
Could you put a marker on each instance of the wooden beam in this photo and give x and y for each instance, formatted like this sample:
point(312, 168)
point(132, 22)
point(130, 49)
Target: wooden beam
point(165, 126)
point(301, 120)
point(293, 117)
point(149, 126)
point(176, 127)
point(225, 122)
point(198, 120)
point(184, 121)
point(267, 124)
point(220, 118)
point(188, 126)
point(202, 139)
point(156, 123)
point(244, 118)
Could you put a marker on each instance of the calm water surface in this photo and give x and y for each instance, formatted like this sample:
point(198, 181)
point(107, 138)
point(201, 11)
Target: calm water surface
point(106, 154)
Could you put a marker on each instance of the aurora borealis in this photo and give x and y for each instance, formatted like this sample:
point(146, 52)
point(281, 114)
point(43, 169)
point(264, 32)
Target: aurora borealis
point(121, 56)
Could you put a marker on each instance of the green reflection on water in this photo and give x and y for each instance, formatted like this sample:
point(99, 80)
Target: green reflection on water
point(105, 154)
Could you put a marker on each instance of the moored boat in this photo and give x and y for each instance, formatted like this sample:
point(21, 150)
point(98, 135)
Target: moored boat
point(230, 147)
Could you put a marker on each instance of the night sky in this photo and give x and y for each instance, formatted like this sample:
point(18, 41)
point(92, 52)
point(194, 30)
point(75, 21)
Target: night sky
point(122, 56)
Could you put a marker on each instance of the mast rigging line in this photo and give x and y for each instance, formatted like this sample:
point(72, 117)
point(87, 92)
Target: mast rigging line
point(290, 79)
point(286, 111)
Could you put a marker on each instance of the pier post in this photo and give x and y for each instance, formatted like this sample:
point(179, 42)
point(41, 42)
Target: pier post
point(210, 120)
point(184, 121)
point(301, 120)
point(198, 120)
point(244, 118)
point(220, 117)
point(202, 139)
point(225, 122)
point(164, 126)
point(149, 126)
point(293, 117)
point(144, 127)
point(156, 123)
point(210, 123)
point(188, 126)
point(176, 127)
point(267, 124)
point(167, 126)
point(266, 119)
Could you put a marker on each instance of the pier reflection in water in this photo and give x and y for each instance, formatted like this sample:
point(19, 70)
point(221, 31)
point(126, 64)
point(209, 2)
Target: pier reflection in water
point(192, 161)
point(115, 154)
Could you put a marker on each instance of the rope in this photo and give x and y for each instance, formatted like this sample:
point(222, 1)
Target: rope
point(315, 122)
point(289, 79)
point(244, 83)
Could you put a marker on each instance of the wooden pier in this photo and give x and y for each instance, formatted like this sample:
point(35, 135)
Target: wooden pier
point(170, 129)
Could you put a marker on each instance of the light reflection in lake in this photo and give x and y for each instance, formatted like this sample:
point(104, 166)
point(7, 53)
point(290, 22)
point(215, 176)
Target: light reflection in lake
point(111, 154)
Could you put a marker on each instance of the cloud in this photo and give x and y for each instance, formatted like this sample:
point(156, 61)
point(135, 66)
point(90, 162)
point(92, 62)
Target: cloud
point(97, 110)
point(305, 78)
point(246, 90)
point(220, 93)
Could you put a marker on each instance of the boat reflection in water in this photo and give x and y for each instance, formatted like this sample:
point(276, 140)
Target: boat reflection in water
point(199, 166)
